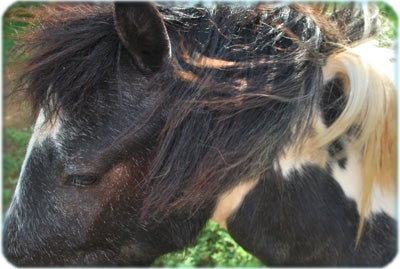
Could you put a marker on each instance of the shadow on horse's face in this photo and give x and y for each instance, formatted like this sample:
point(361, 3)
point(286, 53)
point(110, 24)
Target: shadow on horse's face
point(150, 125)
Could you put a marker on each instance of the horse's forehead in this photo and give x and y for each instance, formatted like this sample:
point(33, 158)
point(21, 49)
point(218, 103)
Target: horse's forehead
point(46, 128)
point(50, 128)
point(42, 131)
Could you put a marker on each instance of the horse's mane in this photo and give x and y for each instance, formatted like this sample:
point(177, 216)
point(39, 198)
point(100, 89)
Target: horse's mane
point(250, 82)
point(79, 35)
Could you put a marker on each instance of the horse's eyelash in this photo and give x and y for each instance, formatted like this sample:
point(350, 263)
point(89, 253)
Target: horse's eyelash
point(81, 180)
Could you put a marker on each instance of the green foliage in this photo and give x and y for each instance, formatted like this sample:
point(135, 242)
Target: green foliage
point(15, 23)
point(15, 143)
point(388, 12)
point(389, 21)
point(215, 247)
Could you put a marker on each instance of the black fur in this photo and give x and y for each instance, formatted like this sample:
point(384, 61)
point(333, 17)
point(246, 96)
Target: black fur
point(143, 34)
point(306, 220)
point(333, 101)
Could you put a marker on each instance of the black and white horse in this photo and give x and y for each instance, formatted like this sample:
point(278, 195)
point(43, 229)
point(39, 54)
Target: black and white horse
point(277, 121)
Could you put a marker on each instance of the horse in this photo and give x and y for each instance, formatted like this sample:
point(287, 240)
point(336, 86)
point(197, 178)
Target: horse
point(275, 120)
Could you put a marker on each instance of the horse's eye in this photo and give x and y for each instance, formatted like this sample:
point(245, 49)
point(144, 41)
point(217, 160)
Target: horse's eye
point(81, 180)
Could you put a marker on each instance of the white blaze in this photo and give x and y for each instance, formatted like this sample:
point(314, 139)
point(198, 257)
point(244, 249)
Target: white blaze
point(41, 131)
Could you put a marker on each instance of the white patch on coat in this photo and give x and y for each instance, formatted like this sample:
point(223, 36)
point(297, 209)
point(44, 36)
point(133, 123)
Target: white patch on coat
point(289, 163)
point(350, 178)
point(351, 181)
point(294, 158)
point(229, 202)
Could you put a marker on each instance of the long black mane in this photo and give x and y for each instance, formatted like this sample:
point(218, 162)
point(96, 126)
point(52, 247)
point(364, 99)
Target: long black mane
point(245, 83)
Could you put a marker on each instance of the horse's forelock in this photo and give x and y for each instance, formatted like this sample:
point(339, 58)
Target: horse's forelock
point(71, 50)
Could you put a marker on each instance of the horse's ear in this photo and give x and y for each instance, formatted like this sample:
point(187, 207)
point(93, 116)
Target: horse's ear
point(142, 31)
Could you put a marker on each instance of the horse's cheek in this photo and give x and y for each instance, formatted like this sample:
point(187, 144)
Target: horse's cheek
point(116, 201)
point(120, 184)
point(69, 215)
